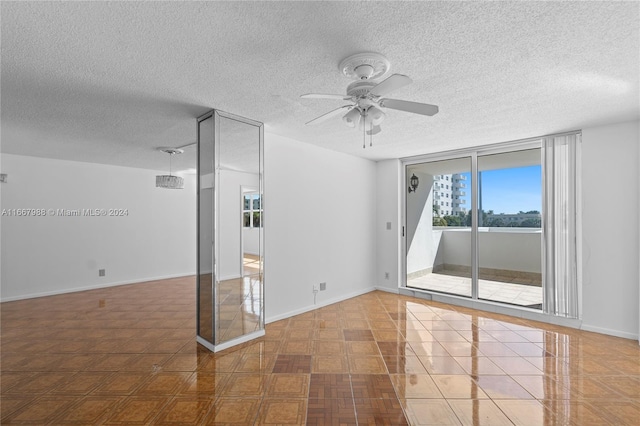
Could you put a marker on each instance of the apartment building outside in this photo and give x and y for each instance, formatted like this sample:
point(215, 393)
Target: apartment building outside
point(448, 194)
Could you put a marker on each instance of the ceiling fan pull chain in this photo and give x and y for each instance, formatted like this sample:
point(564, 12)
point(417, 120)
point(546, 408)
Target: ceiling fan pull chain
point(364, 129)
point(364, 137)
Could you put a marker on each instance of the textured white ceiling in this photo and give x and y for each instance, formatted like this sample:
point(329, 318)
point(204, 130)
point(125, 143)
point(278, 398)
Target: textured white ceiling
point(108, 82)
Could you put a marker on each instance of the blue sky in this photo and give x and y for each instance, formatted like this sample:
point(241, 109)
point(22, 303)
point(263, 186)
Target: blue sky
point(510, 190)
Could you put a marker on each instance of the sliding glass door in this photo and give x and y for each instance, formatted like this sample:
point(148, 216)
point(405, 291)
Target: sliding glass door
point(498, 223)
point(510, 227)
point(439, 226)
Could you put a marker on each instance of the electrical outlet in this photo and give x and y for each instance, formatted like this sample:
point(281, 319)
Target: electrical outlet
point(101, 272)
point(386, 275)
point(316, 288)
point(323, 286)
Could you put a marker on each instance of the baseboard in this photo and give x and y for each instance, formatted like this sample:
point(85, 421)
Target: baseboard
point(387, 289)
point(617, 333)
point(92, 287)
point(419, 273)
point(319, 305)
point(523, 313)
point(230, 343)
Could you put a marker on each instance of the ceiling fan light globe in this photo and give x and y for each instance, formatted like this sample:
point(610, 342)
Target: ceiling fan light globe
point(376, 115)
point(352, 117)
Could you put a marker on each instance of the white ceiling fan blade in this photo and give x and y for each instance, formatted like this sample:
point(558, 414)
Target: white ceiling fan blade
point(392, 83)
point(414, 107)
point(330, 114)
point(325, 96)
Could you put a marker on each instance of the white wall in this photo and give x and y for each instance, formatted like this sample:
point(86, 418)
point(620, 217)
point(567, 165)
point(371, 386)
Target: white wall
point(610, 230)
point(388, 241)
point(511, 249)
point(51, 254)
point(422, 241)
point(320, 213)
point(251, 240)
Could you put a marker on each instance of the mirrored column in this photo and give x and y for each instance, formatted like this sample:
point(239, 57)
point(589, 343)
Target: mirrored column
point(231, 232)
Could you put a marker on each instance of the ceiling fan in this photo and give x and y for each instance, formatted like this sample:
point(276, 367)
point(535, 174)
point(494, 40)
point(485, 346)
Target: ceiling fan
point(366, 110)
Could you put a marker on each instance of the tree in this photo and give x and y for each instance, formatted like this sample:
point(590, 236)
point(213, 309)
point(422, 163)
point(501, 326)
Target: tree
point(466, 219)
point(453, 220)
point(496, 222)
point(439, 221)
point(533, 212)
point(531, 223)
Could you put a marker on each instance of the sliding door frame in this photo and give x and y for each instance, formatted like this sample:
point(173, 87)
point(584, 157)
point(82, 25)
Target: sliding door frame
point(473, 153)
point(443, 156)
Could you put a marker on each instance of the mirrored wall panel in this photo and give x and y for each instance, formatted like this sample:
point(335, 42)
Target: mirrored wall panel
point(231, 237)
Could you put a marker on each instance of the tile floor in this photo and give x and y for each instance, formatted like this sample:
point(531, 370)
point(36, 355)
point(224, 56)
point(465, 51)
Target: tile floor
point(127, 355)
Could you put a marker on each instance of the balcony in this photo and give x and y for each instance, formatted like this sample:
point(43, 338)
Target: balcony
point(510, 264)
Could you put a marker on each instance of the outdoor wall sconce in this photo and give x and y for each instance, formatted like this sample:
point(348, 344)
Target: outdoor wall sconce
point(413, 182)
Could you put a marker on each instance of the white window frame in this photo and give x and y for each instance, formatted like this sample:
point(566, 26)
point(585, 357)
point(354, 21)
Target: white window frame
point(251, 210)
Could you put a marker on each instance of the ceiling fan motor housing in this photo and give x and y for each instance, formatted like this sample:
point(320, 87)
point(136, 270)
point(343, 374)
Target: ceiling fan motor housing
point(360, 88)
point(364, 71)
point(365, 66)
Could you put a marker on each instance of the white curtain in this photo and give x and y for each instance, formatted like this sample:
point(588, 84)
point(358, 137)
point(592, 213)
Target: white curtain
point(560, 225)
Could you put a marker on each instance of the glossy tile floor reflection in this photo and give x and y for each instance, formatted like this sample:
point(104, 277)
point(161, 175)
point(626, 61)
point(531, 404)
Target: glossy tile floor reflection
point(127, 355)
point(239, 309)
point(240, 302)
